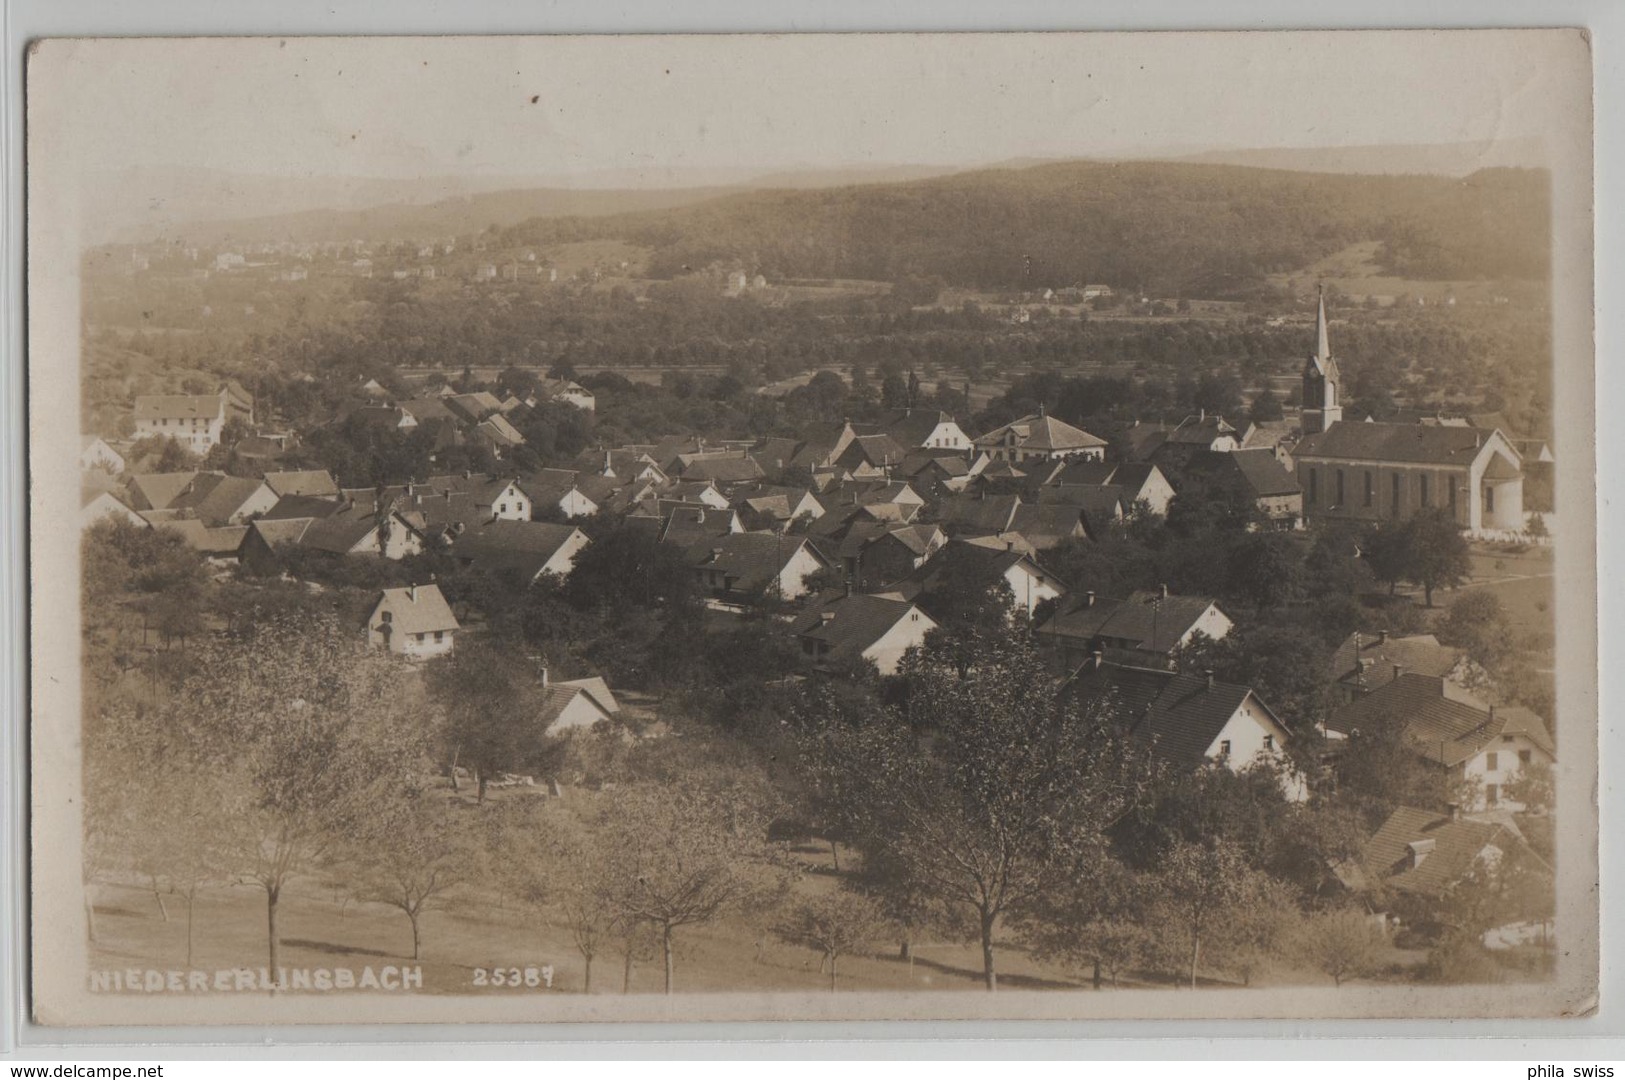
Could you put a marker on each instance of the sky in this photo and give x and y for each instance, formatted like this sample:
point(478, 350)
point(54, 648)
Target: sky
point(644, 111)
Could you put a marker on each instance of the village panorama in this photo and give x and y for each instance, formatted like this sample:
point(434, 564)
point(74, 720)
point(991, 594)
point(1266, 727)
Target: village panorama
point(1081, 577)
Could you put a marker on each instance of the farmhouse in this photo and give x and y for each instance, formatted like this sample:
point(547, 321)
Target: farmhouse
point(740, 566)
point(528, 548)
point(1483, 746)
point(94, 453)
point(575, 704)
point(1040, 437)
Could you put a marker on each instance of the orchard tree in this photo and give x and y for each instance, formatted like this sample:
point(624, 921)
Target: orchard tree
point(834, 924)
point(1438, 552)
point(489, 695)
point(408, 852)
point(988, 788)
point(1343, 943)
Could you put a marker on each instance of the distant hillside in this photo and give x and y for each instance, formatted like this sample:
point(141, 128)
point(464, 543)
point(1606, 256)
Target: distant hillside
point(1423, 159)
point(1167, 228)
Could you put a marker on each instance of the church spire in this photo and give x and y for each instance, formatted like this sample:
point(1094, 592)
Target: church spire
point(1323, 341)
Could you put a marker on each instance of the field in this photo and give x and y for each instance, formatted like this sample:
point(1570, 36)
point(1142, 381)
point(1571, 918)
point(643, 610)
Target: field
point(1354, 272)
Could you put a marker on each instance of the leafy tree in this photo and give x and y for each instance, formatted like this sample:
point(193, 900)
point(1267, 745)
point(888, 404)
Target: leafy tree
point(408, 853)
point(1266, 568)
point(1266, 407)
point(488, 695)
point(1478, 623)
point(1438, 552)
point(834, 924)
point(1534, 787)
point(1093, 923)
point(1387, 551)
point(1008, 798)
point(1205, 890)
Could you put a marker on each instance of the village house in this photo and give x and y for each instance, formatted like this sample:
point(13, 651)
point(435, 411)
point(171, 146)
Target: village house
point(95, 453)
point(156, 491)
point(529, 549)
point(1422, 855)
point(217, 499)
point(472, 408)
point(1367, 662)
point(220, 545)
point(414, 622)
point(688, 525)
point(566, 492)
point(1098, 505)
point(1046, 527)
point(499, 498)
point(1040, 437)
point(99, 504)
point(568, 392)
point(1273, 491)
point(738, 567)
point(195, 421)
point(849, 627)
point(575, 704)
point(1139, 482)
point(1030, 584)
point(1191, 720)
point(333, 527)
point(875, 554)
point(1481, 746)
point(924, 429)
point(719, 468)
point(1145, 629)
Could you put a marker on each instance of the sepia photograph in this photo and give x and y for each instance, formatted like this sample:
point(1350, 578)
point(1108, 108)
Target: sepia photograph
point(810, 527)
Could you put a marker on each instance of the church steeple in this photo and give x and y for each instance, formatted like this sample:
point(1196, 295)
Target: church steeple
point(1321, 378)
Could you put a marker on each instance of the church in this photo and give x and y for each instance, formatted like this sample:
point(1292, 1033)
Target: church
point(1384, 472)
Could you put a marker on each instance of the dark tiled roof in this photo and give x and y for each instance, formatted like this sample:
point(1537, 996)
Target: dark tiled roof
point(1420, 654)
point(1147, 621)
point(912, 427)
point(723, 469)
point(970, 513)
point(1047, 526)
point(215, 497)
point(157, 491)
point(1456, 844)
point(1043, 432)
point(1093, 473)
point(1443, 722)
point(1258, 469)
point(178, 406)
point(859, 620)
point(1180, 714)
point(749, 560)
point(523, 545)
point(1418, 444)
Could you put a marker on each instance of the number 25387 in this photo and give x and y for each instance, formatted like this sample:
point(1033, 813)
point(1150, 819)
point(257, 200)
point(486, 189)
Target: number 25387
point(530, 978)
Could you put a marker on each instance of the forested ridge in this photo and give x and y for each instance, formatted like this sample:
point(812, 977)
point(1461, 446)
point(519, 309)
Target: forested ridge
point(1170, 229)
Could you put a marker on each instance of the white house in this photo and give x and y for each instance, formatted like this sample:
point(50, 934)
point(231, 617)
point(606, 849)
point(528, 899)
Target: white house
point(532, 548)
point(415, 622)
point(1145, 628)
point(852, 626)
point(1041, 437)
point(741, 565)
point(575, 704)
point(925, 429)
point(193, 420)
point(1193, 720)
point(97, 506)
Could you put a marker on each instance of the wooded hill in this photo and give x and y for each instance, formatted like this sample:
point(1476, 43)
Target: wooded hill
point(1170, 229)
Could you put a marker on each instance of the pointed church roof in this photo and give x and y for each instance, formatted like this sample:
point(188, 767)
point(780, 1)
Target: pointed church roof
point(1322, 360)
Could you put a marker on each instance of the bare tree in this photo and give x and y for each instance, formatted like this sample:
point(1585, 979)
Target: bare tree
point(409, 855)
point(1345, 944)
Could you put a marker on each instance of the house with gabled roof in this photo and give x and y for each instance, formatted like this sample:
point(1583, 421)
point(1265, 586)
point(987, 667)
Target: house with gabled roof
point(924, 429)
point(875, 554)
point(848, 627)
point(529, 548)
point(1099, 505)
point(220, 544)
point(498, 497)
point(414, 622)
point(973, 514)
point(568, 392)
point(1030, 583)
point(217, 499)
point(98, 504)
point(1424, 854)
point(1050, 526)
point(1145, 628)
point(502, 435)
point(334, 527)
point(929, 472)
point(473, 408)
point(1481, 746)
point(737, 567)
point(575, 704)
point(1139, 481)
point(195, 421)
point(1190, 720)
point(719, 468)
point(1041, 437)
point(156, 491)
point(688, 525)
point(1259, 473)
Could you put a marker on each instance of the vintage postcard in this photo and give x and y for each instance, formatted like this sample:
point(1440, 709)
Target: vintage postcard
point(1033, 526)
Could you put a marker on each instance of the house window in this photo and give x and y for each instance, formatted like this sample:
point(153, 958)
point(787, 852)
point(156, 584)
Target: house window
point(1525, 757)
point(1370, 487)
point(387, 616)
point(439, 635)
point(1492, 794)
point(1314, 486)
point(1489, 499)
point(1269, 742)
point(1224, 748)
point(1396, 494)
point(1492, 761)
point(418, 637)
point(1422, 491)
point(1340, 495)
point(502, 508)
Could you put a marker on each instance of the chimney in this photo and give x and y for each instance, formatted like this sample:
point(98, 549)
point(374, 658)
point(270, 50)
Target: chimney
point(1382, 637)
point(1163, 591)
point(1209, 673)
point(716, 553)
point(826, 616)
point(1089, 599)
point(1454, 809)
point(1399, 669)
point(544, 675)
point(846, 590)
point(412, 593)
point(1009, 545)
point(1096, 658)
